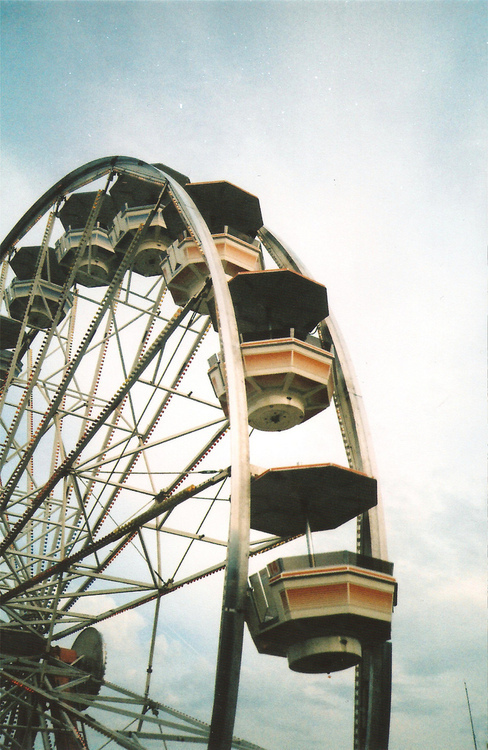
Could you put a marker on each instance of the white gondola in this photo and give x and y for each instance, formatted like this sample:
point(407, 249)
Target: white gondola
point(287, 382)
point(147, 259)
point(320, 616)
point(288, 373)
point(185, 269)
point(41, 298)
point(98, 263)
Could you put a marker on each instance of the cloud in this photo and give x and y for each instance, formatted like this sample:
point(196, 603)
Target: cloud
point(361, 127)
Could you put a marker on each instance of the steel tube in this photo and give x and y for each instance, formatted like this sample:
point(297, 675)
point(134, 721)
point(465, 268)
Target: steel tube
point(235, 584)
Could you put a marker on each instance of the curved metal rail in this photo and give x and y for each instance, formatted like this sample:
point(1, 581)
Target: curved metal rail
point(373, 675)
point(235, 584)
point(74, 180)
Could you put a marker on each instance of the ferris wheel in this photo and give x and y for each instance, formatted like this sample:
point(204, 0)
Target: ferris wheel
point(152, 331)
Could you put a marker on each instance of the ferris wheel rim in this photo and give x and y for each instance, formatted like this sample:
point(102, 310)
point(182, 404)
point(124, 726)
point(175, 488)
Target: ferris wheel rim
point(232, 615)
point(74, 180)
point(374, 673)
point(348, 398)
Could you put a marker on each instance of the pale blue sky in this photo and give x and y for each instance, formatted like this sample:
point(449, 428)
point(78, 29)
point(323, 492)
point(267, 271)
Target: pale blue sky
point(362, 128)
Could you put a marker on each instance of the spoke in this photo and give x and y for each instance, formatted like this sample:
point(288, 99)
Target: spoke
point(172, 725)
point(162, 504)
point(143, 445)
point(66, 465)
point(57, 317)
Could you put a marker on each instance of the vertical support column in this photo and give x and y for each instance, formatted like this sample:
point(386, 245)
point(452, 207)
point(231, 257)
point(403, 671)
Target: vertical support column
point(374, 698)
